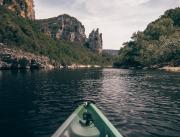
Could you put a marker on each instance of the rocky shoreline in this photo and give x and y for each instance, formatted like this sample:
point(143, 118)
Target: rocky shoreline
point(155, 67)
point(170, 69)
point(18, 59)
point(74, 66)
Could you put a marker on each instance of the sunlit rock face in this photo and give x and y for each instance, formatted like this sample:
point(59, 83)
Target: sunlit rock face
point(95, 42)
point(64, 27)
point(1, 2)
point(23, 8)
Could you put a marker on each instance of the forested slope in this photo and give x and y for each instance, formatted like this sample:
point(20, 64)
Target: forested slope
point(158, 45)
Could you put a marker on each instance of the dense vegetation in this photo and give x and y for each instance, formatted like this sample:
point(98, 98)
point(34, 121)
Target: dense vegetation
point(21, 33)
point(158, 45)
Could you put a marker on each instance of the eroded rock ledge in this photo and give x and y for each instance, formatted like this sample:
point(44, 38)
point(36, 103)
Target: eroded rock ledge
point(18, 59)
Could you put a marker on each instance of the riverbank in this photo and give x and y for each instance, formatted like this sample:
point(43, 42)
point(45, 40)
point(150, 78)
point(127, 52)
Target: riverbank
point(75, 66)
point(155, 67)
point(170, 69)
point(17, 59)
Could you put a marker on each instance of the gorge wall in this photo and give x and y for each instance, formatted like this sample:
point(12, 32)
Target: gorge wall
point(64, 27)
point(24, 8)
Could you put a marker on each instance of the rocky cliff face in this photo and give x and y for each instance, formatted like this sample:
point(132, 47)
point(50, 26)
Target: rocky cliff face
point(64, 27)
point(24, 8)
point(95, 42)
point(1, 2)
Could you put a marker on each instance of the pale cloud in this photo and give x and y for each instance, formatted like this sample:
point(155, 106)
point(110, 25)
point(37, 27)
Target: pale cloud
point(117, 19)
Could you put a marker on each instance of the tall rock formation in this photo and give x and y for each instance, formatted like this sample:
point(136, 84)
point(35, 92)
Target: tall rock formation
point(64, 27)
point(95, 42)
point(24, 8)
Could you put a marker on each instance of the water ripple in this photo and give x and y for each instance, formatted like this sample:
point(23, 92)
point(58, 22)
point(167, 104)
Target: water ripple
point(138, 103)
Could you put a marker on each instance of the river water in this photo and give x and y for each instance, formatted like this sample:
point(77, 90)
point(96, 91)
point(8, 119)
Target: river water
point(138, 103)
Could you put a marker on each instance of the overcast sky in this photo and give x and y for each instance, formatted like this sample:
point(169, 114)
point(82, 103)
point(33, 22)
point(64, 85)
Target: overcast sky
point(116, 19)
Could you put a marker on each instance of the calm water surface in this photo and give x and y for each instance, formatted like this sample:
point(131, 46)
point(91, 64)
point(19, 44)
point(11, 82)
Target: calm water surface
point(138, 103)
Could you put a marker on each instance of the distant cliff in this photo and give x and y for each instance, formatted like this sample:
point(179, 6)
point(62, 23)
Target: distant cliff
point(111, 52)
point(63, 27)
point(23, 8)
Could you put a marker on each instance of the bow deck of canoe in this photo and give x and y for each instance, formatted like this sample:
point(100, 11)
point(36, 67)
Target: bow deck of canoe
point(87, 121)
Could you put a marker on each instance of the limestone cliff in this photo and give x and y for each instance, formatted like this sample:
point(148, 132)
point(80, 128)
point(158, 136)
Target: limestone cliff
point(64, 27)
point(24, 8)
point(95, 42)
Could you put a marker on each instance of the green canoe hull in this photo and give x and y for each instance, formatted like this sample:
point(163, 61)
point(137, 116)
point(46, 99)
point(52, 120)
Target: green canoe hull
point(101, 126)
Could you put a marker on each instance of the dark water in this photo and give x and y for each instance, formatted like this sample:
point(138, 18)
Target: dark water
point(138, 103)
